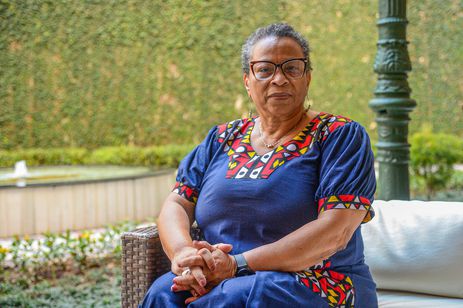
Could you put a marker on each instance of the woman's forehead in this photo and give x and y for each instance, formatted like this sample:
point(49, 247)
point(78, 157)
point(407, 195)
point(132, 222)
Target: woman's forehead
point(269, 48)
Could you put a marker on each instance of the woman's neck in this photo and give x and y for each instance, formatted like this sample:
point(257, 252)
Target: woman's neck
point(277, 127)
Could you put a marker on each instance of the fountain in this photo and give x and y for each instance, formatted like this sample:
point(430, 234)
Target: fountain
point(19, 175)
point(56, 198)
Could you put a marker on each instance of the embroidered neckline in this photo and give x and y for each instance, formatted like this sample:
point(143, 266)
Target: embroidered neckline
point(244, 162)
point(299, 136)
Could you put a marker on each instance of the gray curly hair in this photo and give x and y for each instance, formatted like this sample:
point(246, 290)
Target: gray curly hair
point(273, 30)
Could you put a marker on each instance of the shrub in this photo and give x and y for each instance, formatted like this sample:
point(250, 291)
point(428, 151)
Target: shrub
point(169, 155)
point(41, 157)
point(154, 156)
point(433, 157)
point(115, 156)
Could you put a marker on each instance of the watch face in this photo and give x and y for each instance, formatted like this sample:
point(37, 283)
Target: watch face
point(244, 272)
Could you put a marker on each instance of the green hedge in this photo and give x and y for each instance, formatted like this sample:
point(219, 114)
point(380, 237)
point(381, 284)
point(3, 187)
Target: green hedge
point(162, 156)
point(433, 157)
point(110, 73)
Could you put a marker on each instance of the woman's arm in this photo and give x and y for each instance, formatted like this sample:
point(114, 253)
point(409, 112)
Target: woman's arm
point(175, 220)
point(305, 247)
point(308, 245)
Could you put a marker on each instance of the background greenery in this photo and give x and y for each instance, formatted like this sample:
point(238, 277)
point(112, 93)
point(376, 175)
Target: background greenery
point(95, 73)
point(97, 287)
point(63, 270)
point(153, 156)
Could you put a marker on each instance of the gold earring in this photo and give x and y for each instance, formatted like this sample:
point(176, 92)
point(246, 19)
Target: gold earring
point(250, 112)
point(307, 108)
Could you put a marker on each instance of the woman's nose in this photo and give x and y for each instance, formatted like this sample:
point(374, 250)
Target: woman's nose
point(279, 78)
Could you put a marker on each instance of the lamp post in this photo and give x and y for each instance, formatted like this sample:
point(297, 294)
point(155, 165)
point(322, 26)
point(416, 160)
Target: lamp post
point(392, 102)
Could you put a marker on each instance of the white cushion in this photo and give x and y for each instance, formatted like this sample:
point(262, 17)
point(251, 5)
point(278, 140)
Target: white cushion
point(390, 299)
point(416, 246)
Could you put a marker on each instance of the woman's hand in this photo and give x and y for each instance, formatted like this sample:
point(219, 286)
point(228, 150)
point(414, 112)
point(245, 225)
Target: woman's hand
point(196, 272)
point(208, 256)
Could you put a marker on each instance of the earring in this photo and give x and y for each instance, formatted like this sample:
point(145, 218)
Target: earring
point(250, 112)
point(307, 108)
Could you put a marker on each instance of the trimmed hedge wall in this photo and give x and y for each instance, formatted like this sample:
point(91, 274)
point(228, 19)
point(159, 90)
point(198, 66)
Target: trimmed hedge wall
point(159, 156)
point(109, 73)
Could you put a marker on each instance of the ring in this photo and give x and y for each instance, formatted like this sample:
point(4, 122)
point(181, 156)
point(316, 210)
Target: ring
point(186, 272)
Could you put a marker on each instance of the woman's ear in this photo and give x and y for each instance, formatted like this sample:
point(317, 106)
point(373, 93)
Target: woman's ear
point(246, 84)
point(309, 78)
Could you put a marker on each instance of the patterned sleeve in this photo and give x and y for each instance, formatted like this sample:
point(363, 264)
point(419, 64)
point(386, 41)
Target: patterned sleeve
point(193, 167)
point(347, 174)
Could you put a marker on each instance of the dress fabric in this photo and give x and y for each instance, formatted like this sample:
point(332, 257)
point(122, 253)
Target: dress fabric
point(249, 200)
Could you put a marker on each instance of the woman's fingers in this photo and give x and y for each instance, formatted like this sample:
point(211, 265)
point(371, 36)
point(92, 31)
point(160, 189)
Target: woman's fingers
point(207, 257)
point(184, 280)
point(203, 258)
point(197, 272)
point(182, 284)
point(203, 244)
point(224, 247)
point(191, 299)
point(196, 260)
point(179, 287)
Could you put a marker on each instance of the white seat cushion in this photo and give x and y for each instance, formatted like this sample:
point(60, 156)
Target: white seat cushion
point(391, 299)
point(416, 246)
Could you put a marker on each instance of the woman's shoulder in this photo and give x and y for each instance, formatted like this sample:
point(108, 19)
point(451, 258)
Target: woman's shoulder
point(328, 123)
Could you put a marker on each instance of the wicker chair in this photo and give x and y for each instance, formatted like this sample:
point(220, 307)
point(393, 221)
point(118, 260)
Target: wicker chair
point(143, 260)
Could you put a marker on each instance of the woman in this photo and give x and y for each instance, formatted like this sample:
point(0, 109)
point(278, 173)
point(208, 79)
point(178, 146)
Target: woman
point(279, 198)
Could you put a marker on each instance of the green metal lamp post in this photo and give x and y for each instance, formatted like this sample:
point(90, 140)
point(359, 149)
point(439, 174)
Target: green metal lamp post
point(392, 102)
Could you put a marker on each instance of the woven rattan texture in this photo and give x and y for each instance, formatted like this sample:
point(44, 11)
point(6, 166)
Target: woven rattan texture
point(143, 260)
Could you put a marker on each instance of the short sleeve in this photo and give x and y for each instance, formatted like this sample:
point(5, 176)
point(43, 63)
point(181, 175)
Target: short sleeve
point(193, 167)
point(347, 174)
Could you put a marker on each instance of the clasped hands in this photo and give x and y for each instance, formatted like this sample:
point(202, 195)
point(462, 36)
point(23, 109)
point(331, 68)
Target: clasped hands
point(201, 267)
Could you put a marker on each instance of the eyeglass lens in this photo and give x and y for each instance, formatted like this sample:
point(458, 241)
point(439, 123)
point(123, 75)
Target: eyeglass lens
point(292, 69)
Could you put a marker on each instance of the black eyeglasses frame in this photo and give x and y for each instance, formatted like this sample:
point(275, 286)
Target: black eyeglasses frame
point(279, 65)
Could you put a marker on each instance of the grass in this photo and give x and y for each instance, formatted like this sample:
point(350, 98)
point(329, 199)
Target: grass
point(96, 287)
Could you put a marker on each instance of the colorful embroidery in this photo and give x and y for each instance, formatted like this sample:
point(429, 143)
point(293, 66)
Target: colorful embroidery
point(231, 131)
point(245, 163)
point(347, 202)
point(335, 287)
point(186, 192)
point(331, 124)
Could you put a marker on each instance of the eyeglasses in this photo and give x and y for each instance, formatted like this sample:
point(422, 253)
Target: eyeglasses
point(292, 68)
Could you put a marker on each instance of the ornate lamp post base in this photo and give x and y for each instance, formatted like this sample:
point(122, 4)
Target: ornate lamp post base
point(392, 102)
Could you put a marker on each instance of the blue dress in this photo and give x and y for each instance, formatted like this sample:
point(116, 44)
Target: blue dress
point(249, 200)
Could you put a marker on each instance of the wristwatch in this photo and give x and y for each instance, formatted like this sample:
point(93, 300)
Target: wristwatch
point(242, 268)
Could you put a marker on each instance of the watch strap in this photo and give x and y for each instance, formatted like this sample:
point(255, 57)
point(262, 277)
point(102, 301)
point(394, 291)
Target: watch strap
point(242, 267)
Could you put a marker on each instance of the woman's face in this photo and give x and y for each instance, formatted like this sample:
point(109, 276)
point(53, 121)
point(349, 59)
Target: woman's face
point(278, 96)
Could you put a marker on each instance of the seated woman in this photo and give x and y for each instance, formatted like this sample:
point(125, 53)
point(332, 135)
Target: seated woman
point(279, 198)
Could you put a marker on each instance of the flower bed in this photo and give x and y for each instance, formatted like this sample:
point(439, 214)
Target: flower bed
point(26, 260)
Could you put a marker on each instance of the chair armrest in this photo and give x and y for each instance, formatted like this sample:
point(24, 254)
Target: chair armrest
point(143, 260)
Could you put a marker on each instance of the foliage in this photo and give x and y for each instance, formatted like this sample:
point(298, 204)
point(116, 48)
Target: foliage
point(42, 157)
point(28, 261)
point(165, 156)
point(110, 73)
point(169, 155)
point(96, 287)
point(432, 159)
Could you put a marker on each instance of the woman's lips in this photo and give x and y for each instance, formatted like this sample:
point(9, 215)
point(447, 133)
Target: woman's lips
point(280, 95)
